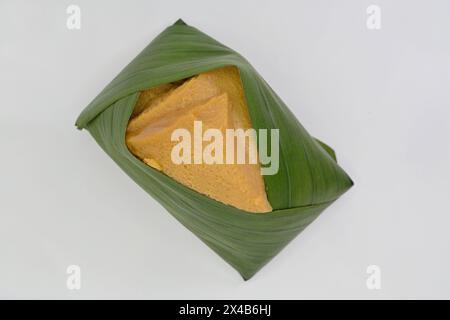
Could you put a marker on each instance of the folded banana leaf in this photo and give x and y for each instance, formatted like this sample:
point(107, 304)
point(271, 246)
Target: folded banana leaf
point(307, 182)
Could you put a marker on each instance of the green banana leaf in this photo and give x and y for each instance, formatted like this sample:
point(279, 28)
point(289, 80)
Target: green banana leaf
point(308, 180)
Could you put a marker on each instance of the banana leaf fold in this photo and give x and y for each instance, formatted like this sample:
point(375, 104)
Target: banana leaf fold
point(308, 180)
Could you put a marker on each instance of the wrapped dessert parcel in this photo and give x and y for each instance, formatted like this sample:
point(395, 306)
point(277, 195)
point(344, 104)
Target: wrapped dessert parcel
point(192, 123)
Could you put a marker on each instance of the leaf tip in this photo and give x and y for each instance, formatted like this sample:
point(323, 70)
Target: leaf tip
point(180, 22)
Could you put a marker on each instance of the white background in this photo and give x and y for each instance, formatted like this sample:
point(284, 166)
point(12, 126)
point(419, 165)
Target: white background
point(380, 98)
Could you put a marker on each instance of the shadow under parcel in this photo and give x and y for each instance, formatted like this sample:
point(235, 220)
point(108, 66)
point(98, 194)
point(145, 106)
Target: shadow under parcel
point(244, 216)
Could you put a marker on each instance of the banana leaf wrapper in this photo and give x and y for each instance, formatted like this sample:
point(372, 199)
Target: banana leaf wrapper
point(308, 180)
